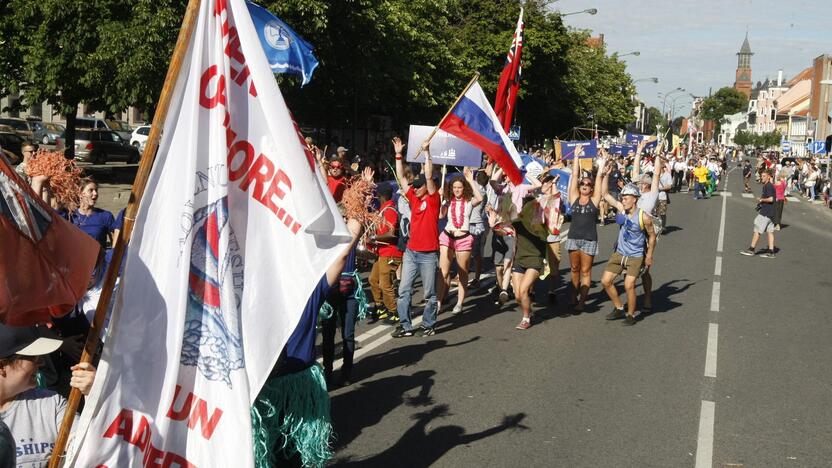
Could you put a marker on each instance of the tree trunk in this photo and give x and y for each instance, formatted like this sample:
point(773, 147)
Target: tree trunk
point(69, 135)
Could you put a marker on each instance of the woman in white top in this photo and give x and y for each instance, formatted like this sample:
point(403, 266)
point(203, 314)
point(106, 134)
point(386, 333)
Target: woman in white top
point(459, 200)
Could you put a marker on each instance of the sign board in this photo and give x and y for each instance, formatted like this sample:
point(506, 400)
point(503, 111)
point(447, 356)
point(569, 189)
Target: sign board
point(622, 149)
point(444, 148)
point(817, 147)
point(567, 148)
point(514, 133)
point(786, 146)
point(635, 138)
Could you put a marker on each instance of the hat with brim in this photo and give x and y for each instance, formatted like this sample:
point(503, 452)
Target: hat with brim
point(27, 341)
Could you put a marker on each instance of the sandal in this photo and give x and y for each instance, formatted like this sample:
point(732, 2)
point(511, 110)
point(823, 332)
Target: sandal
point(524, 324)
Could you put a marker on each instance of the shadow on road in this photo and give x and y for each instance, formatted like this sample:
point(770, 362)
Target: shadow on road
point(420, 446)
point(662, 301)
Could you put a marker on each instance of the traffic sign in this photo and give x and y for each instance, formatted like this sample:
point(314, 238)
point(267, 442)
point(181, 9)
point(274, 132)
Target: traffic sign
point(785, 146)
point(514, 133)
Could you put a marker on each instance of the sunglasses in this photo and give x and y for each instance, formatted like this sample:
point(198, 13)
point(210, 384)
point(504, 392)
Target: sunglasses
point(335, 166)
point(585, 184)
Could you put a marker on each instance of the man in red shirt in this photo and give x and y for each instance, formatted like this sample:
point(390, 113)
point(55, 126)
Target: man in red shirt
point(335, 179)
point(421, 255)
point(389, 257)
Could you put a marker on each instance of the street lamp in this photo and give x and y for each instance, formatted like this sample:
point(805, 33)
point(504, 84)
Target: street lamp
point(635, 53)
point(589, 11)
point(666, 95)
point(654, 80)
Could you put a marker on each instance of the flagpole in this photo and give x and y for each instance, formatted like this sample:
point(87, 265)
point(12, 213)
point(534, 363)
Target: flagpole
point(459, 98)
point(142, 175)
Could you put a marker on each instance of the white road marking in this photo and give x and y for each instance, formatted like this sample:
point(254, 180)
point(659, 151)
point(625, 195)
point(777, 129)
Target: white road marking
point(718, 267)
point(724, 194)
point(710, 354)
point(721, 227)
point(715, 297)
point(794, 199)
point(705, 441)
point(748, 195)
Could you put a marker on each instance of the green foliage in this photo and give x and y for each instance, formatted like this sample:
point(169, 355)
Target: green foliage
point(653, 117)
point(763, 141)
point(724, 102)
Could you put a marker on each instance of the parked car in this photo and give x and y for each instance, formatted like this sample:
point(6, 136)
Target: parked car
point(122, 128)
point(22, 127)
point(100, 146)
point(12, 142)
point(139, 137)
point(47, 132)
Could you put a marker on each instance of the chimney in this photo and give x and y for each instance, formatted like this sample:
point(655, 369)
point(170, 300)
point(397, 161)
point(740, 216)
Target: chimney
point(780, 78)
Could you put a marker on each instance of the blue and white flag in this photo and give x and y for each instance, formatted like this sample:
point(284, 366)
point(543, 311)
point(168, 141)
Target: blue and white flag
point(287, 52)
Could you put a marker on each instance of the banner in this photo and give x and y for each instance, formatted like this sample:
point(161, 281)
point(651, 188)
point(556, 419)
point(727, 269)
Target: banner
point(637, 138)
point(444, 148)
point(622, 149)
point(590, 147)
point(287, 52)
point(231, 237)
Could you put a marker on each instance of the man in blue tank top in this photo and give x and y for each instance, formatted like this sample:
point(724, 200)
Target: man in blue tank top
point(633, 251)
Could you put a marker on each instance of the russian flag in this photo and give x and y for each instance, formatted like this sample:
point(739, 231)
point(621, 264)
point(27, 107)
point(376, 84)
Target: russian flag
point(473, 120)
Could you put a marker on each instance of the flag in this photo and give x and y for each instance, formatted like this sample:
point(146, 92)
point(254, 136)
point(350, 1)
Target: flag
point(509, 83)
point(232, 235)
point(472, 119)
point(287, 52)
point(45, 262)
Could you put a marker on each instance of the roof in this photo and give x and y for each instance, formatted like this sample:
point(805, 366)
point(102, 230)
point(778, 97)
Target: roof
point(746, 48)
point(803, 75)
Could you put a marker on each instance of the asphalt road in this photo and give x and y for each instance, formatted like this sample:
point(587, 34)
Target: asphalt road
point(732, 368)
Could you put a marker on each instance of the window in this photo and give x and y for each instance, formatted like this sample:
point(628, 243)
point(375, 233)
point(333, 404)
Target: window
point(144, 131)
point(773, 113)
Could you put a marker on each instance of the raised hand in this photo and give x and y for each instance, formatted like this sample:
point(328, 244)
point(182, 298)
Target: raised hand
point(367, 174)
point(398, 145)
point(468, 173)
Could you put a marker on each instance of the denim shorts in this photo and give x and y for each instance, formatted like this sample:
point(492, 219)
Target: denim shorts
point(588, 247)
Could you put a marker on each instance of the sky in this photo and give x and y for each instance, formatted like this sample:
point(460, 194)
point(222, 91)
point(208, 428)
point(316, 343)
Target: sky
point(693, 45)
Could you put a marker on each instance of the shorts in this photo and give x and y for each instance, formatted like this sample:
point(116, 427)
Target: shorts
point(522, 264)
point(503, 247)
point(479, 240)
point(588, 247)
point(618, 263)
point(763, 224)
point(460, 244)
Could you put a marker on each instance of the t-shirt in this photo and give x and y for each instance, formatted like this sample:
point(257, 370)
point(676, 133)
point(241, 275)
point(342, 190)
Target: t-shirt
point(424, 222)
point(299, 352)
point(767, 209)
point(336, 186)
point(389, 212)
point(614, 178)
point(746, 171)
point(647, 201)
point(98, 224)
point(664, 180)
point(34, 418)
point(780, 190)
point(478, 214)
point(701, 173)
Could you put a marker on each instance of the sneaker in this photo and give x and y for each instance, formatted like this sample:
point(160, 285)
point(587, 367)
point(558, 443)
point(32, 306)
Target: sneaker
point(616, 314)
point(422, 332)
point(503, 297)
point(768, 254)
point(750, 252)
point(457, 309)
point(777, 227)
point(524, 324)
point(402, 333)
point(631, 320)
point(392, 320)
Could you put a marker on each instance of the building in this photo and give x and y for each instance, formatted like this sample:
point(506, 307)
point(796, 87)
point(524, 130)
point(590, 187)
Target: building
point(820, 111)
point(45, 112)
point(731, 124)
point(742, 80)
point(793, 110)
point(762, 108)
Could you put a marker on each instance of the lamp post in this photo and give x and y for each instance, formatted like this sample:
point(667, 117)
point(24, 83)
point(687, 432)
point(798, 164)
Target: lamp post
point(673, 104)
point(666, 95)
point(589, 11)
point(633, 53)
point(654, 80)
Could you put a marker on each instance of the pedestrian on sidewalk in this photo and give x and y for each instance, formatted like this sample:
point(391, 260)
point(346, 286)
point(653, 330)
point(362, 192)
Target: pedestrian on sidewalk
point(763, 222)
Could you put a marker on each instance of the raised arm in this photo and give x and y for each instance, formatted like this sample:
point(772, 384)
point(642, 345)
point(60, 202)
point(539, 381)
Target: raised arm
point(596, 195)
point(334, 272)
point(637, 161)
point(469, 176)
point(398, 147)
point(429, 183)
point(572, 190)
point(657, 173)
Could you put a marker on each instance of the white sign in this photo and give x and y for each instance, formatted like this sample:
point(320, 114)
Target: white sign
point(444, 148)
point(231, 238)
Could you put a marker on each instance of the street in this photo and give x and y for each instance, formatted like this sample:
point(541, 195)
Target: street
point(731, 369)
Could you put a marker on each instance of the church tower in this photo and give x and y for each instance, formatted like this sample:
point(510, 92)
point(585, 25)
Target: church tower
point(742, 82)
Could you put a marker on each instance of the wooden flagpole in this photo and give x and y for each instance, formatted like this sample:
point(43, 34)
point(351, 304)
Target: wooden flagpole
point(459, 98)
point(142, 175)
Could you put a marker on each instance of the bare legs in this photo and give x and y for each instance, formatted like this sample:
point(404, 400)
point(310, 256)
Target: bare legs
point(608, 281)
point(581, 268)
point(523, 283)
point(446, 257)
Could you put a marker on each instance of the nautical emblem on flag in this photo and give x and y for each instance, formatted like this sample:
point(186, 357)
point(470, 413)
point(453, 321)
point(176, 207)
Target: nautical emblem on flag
point(212, 338)
point(276, 36)
point(21, 210)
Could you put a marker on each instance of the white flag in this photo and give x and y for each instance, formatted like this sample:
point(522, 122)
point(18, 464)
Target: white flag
point(233, 234)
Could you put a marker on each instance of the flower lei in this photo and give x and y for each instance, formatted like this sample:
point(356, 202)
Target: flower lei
point(455, 218)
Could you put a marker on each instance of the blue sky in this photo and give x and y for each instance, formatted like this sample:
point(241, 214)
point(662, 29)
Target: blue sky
point(693, 45)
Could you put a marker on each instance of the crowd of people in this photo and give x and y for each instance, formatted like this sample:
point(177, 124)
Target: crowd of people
point(429, 225)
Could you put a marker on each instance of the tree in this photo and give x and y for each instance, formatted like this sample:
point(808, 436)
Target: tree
point(724, 102)
point(743, 138)
point(653, 117)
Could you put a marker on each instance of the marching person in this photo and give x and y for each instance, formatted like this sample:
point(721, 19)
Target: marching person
point(633, 250)
point(456, 240)
point(420, 257)
point(584, 196)
point(383, 275)
point(763, 222)
point(94, 221)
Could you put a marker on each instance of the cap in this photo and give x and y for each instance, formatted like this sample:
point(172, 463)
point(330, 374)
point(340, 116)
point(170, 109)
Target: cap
point(419, 181)
point(630, 189)
point(27, 341)
point(646, 179)
point(341, 149)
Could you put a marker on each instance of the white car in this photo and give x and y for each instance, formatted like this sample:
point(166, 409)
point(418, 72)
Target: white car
point(139, 137)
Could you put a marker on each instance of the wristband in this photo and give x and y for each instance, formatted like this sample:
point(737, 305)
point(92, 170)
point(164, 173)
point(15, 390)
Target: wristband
point(398, 157)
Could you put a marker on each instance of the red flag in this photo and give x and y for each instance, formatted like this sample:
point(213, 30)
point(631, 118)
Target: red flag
point(510, 78)
point(45, 261)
